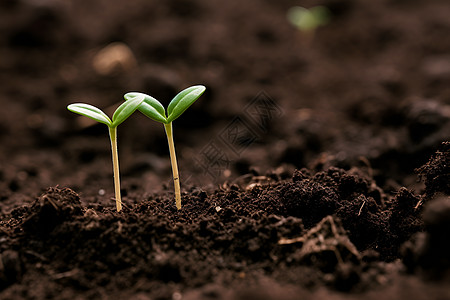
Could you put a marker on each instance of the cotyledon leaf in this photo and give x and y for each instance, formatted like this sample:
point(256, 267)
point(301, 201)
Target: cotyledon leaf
point(183, 100)
point(151, 107)
point(126, 109)
point(90, 111)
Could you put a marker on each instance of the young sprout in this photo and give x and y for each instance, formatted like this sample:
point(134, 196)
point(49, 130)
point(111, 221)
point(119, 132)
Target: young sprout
point(307, 20)
point(121, 114)
point(153, 109)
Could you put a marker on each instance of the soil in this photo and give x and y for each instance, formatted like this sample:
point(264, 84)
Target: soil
point(315, 166)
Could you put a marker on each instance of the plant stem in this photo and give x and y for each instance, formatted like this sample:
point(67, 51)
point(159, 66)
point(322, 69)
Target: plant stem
point(173, 160)
point(115, 159)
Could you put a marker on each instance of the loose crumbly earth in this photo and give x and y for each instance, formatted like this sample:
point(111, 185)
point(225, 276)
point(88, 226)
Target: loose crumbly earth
point(315, 166)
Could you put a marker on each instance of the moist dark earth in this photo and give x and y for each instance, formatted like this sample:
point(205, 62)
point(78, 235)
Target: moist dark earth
point(315, 166)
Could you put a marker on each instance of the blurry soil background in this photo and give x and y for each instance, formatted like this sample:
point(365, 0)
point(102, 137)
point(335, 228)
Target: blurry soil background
point(314, 167)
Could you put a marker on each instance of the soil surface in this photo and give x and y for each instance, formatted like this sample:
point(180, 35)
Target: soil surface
point(315, 166)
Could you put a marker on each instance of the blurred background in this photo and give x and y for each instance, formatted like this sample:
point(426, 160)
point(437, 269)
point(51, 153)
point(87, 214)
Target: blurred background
point(367, 87)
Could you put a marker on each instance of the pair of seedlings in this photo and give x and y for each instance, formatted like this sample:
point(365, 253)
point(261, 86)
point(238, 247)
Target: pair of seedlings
point(153, 109)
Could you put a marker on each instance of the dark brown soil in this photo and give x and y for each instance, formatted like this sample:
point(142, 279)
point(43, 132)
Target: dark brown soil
point(314, 167)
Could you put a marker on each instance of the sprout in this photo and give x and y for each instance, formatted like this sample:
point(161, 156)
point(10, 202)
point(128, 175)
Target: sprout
point(153, 109)
point(121, 114)
point(308, 20)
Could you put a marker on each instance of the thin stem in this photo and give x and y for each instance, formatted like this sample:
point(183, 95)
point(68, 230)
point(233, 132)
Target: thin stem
point(173, 160)
point(115, 159)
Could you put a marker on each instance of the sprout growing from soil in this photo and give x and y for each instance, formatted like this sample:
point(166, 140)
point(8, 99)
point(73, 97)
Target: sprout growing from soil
point(153, 109)
point(308, 20)
point(121, 114)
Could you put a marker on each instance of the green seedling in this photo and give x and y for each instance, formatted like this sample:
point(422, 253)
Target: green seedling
point(121, 114)
point(308, 20)
point(153, 109)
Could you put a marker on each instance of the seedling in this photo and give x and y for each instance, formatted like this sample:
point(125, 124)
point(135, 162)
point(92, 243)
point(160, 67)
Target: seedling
point(153, 109)
point(121, 114)
point(308, 20)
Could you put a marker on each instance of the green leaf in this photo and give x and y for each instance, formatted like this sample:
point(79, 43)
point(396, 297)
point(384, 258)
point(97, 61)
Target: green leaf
point(308, 19)
point(91, 112)
point(126, 109)
point(183, 100)
point(149, 100)
point(151, 107)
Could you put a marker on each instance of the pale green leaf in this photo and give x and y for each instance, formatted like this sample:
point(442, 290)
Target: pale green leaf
point(91, 112)
point(308, 19)
point(151, 107)
point(126, 109)
point(183, 100)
